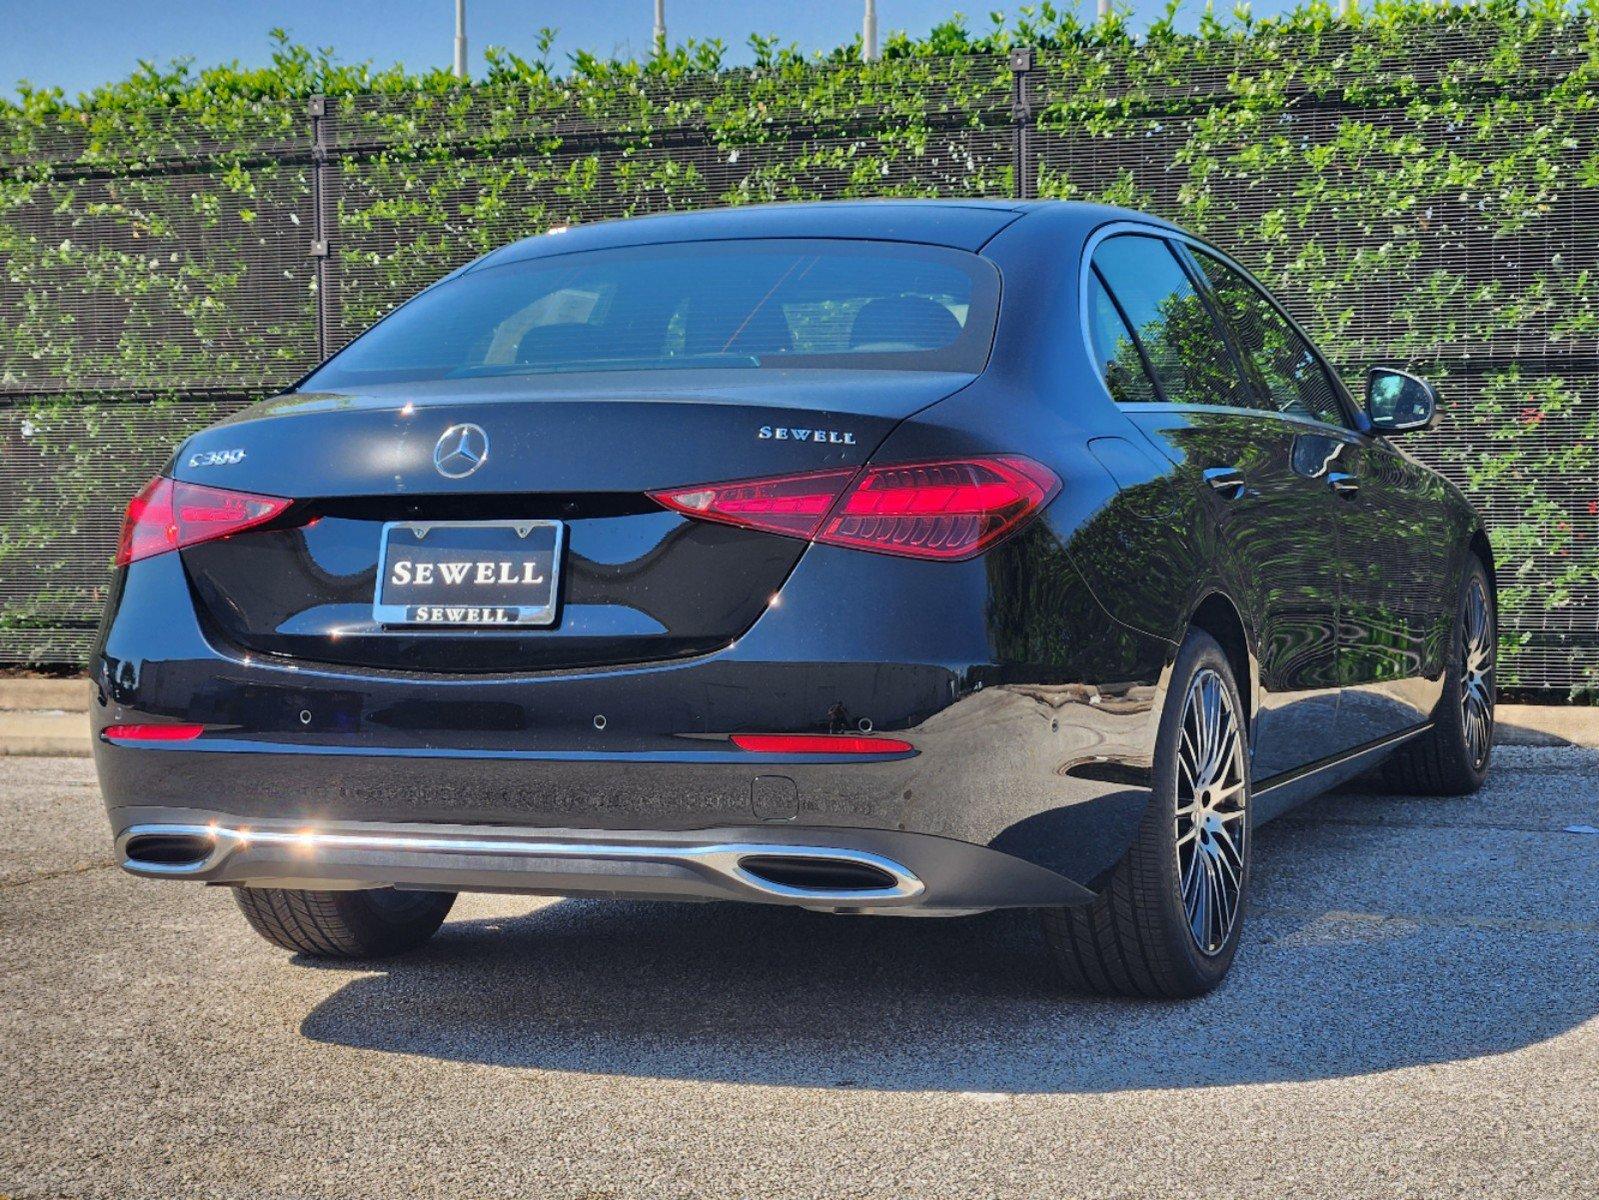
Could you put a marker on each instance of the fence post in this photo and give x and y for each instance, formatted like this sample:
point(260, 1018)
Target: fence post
point(317, 109)
point(1021, 121)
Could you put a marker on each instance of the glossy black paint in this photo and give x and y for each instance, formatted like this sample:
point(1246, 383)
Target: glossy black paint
point(1402, 533)
point(1029, 679)
point(1273, 548)
point(639, 582)
point(634, 585)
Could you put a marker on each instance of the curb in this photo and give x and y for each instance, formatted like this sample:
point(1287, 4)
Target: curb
point(44, 695)
point(44, 717)
point(38, 734)
point(1546, 725)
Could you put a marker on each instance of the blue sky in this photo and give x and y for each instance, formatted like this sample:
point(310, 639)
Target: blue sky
point(78, 43)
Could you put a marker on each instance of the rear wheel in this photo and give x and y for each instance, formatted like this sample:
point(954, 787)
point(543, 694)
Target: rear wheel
point(364, 924)
point(1168, 922)
point(1451, 758)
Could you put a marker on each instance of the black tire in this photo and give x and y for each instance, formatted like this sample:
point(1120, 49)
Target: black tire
point(1442, 761)
point(1135, 938)
point(363, 924)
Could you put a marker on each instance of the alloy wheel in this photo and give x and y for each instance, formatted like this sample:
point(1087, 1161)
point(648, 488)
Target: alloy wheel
point(1211, 829)
point(1476, 676)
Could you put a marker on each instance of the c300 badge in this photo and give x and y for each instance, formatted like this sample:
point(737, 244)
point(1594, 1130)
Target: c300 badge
point(216, 458)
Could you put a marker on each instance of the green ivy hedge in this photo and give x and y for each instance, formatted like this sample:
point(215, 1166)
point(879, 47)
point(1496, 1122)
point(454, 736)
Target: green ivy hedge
point(1421, 183)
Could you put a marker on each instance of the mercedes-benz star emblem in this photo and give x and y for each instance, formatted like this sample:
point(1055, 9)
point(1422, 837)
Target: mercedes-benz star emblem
point(462, 449)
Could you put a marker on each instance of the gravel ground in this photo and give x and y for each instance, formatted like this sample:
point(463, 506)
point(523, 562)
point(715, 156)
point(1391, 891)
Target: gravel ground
point(1415, 1012)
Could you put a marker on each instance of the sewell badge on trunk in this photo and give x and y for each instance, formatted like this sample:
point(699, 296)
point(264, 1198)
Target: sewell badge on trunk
point(469, 573)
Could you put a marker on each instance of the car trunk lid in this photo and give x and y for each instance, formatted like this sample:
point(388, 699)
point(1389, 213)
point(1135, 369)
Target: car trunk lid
point(635, 582)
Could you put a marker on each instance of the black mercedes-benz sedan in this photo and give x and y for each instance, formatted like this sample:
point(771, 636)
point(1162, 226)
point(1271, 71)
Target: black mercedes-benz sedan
point(871, 557)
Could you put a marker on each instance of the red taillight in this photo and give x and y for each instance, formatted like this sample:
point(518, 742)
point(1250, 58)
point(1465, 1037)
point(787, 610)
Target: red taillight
point(153, 733)
point(818, 743)
point(167, 515)
point(791, 504)
point(950, 509)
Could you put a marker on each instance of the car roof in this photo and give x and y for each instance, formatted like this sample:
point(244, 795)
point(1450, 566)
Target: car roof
point(960, 224)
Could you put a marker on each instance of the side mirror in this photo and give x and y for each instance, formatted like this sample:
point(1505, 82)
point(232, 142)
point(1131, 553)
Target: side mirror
point(1398, 402)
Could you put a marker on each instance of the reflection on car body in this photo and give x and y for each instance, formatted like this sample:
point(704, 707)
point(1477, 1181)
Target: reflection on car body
point(901, 557)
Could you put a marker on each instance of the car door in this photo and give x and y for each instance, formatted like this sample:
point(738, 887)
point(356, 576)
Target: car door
point(1394, 558)
point(1252, 478)
point(1399, 591)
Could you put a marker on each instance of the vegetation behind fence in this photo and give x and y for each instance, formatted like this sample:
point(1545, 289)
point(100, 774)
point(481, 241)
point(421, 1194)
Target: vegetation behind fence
point(1420, 185)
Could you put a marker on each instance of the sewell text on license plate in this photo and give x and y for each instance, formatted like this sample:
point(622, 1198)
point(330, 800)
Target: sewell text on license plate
point(482, 573)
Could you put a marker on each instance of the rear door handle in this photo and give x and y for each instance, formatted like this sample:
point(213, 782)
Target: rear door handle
point(1343, 484)
point(1229, 481)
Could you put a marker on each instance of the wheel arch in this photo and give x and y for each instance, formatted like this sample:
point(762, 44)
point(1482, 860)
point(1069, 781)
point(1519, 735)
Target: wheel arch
point(1480, 547)
point(1218, 616)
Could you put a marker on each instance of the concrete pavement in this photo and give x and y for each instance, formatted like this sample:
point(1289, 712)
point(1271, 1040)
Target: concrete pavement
point(1415, 1012)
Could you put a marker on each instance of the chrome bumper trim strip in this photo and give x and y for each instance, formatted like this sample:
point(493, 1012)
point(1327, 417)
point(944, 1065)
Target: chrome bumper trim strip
point(720, 862)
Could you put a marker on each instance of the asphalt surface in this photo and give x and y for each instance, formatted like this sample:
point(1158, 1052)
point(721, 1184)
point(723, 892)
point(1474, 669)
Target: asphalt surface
point(1415, 1012)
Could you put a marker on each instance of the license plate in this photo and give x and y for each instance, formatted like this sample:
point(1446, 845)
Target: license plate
point(469, 573)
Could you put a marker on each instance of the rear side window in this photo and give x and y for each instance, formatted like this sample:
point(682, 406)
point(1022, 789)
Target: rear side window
point(1170, 321)
point(753, 304)
point(1289, 371)
point(1116, 354)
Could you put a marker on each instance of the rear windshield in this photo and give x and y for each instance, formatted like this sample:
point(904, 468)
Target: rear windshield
point(742, 304)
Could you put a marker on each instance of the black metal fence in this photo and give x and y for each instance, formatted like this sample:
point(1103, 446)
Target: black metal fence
point(163, 269)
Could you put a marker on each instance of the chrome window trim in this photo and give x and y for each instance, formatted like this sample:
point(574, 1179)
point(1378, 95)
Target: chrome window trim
point(1308, 424)
point(1341, 394)
point(1354, 423)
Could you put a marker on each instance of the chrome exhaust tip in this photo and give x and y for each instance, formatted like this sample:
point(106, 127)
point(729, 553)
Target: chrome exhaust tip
point(172, 850)
point(821, 876)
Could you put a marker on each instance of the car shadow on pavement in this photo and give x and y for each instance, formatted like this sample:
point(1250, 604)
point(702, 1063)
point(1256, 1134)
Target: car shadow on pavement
point(767, 995)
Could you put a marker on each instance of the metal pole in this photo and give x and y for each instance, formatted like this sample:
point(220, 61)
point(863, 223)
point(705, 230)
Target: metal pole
point(1021, 120)
point(660, 26)
point(460, 39)
point(869, 33)
point(1104, 9)
point(317, 110)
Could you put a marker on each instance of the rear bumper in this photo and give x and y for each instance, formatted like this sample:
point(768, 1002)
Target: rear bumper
point(865, 870)
point(1032, 716)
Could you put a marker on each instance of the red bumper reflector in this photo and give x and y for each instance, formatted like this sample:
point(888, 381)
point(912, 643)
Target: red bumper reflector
point(168, 515)
point(153, 733)
point(818, 743)
point(948, 509)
